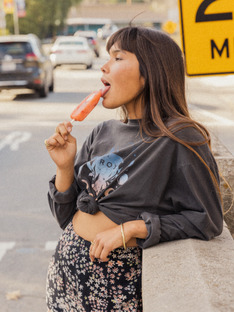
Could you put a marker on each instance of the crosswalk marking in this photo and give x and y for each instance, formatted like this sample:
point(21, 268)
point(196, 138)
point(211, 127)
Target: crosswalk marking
point(4, 247)
point(14, 139)
point(51, 245)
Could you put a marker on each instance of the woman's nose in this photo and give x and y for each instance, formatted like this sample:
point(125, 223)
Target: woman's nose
point(104, 68)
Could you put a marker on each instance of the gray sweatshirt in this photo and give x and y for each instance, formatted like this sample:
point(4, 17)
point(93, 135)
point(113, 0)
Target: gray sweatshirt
point(159, 181)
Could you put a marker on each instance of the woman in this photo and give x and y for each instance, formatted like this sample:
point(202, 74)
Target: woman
point(135, 183)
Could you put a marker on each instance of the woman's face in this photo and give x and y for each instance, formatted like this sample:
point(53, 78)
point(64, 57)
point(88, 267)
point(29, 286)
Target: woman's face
point(122, 73)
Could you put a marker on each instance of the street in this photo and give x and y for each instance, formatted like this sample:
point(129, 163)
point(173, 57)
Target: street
point(211, 101)
point(28, 232)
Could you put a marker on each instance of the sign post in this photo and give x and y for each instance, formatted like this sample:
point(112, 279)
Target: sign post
point(2, 19)
point(15, 18)
point(207, 30)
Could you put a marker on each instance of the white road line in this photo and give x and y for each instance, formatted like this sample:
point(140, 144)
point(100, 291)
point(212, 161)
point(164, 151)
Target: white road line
point(4, 247)
point(216, 118)
point(14, 139)
point(51, 245)
point(222, 81)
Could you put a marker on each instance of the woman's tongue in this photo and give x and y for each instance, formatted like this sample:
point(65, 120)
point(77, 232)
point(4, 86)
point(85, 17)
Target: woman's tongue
point(105, 89)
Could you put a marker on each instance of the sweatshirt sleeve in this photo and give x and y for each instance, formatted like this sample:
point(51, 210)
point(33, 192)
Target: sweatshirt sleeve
point(192, 208)
point(63, 205)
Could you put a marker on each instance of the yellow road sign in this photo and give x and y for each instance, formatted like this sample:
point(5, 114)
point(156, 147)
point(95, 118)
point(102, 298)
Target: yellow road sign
point(207, 30)
point(8, 6)
point(169, 27)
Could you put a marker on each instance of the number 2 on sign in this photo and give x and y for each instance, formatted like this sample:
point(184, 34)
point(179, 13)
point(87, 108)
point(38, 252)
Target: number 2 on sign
point(202, 17)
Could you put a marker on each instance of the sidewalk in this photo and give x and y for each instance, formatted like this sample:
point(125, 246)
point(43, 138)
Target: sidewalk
point(193, 275)
point(211, 102)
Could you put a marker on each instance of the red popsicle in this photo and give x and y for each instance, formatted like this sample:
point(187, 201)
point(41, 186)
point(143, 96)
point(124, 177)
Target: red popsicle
point(88, 104)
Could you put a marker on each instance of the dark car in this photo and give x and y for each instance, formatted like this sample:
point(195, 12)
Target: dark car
point(23, 64)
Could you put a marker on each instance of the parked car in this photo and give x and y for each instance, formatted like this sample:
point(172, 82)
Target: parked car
point(91, 36)
point(23, 64)
point(106, 31)
point(71, 50)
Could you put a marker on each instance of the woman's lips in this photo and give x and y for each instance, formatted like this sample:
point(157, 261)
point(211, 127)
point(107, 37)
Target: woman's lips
point(106, 87)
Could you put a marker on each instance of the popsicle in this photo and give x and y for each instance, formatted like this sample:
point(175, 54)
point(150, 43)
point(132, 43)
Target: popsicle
point(88, 104)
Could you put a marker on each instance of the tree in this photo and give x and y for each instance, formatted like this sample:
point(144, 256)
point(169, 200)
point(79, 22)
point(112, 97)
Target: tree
point(44, 18)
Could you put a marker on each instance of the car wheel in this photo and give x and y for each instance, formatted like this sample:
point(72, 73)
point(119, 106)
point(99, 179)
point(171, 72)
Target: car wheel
point(51, 87)
point(43, 92)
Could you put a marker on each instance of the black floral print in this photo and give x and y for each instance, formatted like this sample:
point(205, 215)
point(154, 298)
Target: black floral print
point(75, 284)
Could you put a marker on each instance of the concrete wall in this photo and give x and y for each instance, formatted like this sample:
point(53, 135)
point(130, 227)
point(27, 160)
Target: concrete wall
point(189, 276)
point(225, 161)
point(193, 275)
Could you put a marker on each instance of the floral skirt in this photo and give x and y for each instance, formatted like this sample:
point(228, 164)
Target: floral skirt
point(75, 284)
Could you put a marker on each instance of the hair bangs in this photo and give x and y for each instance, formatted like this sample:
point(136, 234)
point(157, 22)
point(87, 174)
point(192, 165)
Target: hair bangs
point(125, 38)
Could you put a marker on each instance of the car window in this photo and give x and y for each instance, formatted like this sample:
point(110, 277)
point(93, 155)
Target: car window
point(15, 49)
point(39, 46)
point(67, 43)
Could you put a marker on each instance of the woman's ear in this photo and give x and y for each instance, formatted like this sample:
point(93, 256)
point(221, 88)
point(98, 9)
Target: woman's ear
point(142, 82)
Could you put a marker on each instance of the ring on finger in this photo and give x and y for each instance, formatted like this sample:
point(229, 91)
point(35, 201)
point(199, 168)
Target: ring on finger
point(46, 143)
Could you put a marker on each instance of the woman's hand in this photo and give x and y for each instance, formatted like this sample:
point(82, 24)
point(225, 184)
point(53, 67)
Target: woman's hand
point(105, 242)
point(109, 240)
point(62, 146)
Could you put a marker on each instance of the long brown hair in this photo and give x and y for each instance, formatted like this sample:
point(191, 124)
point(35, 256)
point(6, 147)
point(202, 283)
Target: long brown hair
point(161, 64)
point(162, 67)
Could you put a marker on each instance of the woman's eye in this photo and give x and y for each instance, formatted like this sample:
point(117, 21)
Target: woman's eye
point(118, 59)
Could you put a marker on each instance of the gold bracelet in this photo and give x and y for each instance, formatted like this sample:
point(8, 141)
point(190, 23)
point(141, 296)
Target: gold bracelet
point(123, 237)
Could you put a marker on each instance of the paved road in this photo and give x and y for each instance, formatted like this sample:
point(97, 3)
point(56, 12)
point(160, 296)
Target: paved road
point(28, 233)
point(211, 100)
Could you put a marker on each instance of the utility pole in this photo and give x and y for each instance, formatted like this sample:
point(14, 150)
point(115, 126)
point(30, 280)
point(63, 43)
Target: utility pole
point(16, 19)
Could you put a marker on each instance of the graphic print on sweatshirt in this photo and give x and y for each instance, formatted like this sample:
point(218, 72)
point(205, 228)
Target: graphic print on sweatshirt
point(103, 171)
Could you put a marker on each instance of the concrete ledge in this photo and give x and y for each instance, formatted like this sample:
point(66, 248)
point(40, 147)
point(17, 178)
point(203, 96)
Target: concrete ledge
point(189, 276)
point(193, 275)
point(225, 161)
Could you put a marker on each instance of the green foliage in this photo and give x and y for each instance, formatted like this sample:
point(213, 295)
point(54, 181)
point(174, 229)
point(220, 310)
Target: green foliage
point(45, 18)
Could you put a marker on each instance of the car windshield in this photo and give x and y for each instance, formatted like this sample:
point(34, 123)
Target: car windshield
point(15, 49)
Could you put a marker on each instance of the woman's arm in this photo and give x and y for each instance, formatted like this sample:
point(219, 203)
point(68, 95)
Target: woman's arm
point(63, 188)
point(62, 149)
point(63, 191)
point(114, 238)
point(64, 178)
point(62, 204)
point(192, 208)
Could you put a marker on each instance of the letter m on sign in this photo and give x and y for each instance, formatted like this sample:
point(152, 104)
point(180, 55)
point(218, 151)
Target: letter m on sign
point(220, 51)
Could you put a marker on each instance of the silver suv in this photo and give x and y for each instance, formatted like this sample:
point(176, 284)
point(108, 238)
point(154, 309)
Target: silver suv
point(23, 64)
